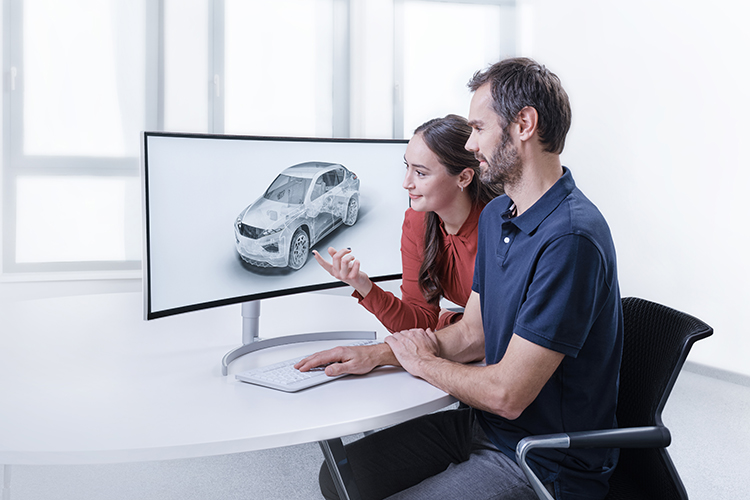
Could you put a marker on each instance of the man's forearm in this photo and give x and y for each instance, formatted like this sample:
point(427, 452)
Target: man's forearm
point(383, 355)
point(457, 342)
point(505, 388)
point(461, 342)
point(465, 382)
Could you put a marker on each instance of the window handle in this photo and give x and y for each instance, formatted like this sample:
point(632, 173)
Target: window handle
point(217, 85)
point(13, 75)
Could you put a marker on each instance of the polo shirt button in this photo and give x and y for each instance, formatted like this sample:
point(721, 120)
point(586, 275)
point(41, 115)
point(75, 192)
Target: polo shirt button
point(507, 240)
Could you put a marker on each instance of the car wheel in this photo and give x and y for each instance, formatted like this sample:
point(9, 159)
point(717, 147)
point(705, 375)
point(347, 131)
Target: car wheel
point(299, 249)
point(352, 211)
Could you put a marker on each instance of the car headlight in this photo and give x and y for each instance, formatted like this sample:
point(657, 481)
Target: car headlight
point(269, 232)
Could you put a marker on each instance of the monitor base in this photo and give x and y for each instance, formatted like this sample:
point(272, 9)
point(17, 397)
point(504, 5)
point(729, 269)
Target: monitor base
point(251, 342)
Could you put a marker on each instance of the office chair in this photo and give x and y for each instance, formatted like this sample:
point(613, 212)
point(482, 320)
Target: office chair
point(656, 342)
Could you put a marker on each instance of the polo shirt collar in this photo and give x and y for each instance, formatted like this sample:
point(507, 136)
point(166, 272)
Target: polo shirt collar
point(531, 218)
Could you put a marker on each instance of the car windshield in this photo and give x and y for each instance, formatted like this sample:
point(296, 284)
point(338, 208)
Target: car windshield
point(286, 189)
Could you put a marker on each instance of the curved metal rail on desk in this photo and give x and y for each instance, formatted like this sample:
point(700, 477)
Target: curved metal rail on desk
point(252, 342)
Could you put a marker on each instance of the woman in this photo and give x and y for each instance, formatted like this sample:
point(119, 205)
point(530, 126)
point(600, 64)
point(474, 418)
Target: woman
point(439, 234)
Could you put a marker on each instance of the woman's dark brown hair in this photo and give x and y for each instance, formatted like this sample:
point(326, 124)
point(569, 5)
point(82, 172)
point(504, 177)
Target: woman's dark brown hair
point(446, 137)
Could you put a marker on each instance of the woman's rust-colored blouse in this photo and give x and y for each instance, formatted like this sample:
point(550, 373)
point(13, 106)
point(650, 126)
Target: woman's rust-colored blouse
point(455, 267)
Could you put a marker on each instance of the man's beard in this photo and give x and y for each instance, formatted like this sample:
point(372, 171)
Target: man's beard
point(504, 167)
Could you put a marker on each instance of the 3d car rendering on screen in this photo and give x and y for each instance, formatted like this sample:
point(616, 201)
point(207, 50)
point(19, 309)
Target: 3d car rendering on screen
point(302, 205)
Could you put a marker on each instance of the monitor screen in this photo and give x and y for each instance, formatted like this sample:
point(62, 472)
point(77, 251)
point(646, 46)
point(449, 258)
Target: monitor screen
point(231, 219)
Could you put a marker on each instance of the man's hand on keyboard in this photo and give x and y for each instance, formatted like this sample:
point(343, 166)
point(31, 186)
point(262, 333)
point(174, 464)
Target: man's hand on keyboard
point(356, 360)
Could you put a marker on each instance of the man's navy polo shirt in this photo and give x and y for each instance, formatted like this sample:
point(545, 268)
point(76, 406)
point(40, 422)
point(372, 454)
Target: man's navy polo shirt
point(550, 276)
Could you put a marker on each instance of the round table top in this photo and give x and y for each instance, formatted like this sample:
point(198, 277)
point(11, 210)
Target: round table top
point(85, 379)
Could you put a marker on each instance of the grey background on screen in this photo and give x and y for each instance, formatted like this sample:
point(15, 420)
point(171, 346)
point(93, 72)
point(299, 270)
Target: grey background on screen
point(198, 186)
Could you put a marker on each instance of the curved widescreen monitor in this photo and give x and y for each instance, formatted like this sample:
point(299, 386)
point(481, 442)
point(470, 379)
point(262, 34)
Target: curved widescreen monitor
point(232, 219)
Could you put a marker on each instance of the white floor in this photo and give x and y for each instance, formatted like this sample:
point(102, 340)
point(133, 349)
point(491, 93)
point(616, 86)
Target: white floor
point(708, 415)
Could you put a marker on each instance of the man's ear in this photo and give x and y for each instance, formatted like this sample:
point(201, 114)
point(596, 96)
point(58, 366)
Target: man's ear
point(527, 121)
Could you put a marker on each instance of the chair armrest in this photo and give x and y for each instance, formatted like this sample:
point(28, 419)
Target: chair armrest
point(632, 437)
point(529, 443)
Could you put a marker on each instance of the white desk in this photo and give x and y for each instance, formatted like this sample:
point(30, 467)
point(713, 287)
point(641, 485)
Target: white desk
point(84, 380)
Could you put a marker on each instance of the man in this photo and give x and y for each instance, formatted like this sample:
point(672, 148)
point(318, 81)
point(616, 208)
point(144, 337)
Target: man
point(544, 312)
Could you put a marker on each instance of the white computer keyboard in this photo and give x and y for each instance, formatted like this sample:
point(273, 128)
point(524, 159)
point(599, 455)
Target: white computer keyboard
point(284, 377)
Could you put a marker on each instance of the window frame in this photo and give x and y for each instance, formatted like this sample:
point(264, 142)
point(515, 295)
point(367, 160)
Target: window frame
point(15, 164)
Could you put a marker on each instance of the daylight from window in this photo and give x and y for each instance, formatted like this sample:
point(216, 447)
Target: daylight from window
point(86, 77)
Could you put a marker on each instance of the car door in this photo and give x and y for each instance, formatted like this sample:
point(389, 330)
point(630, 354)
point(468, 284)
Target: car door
point(318, 209)
point(339, 194)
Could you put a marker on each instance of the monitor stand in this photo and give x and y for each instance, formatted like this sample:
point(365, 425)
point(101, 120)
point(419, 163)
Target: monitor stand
point(251, 341)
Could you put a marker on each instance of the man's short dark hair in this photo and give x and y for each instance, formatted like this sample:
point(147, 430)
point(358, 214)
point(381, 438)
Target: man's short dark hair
point(520, 82)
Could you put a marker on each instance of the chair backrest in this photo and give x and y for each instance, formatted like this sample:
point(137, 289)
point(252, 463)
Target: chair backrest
point(657, 340)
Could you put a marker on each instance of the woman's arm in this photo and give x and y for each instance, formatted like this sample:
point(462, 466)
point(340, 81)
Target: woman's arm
point(412, 310)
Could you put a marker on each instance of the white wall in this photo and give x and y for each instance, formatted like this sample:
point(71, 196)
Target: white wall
point(660, 113)
point(661, 119)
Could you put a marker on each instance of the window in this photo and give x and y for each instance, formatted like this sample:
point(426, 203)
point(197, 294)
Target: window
point(318, 189)
point(72, 115)
point(337, 177)
point(278, 67)
point(85, 77)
